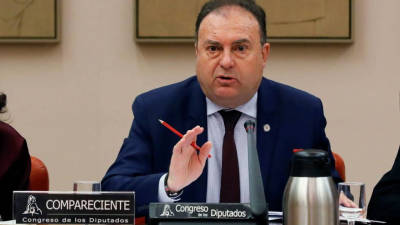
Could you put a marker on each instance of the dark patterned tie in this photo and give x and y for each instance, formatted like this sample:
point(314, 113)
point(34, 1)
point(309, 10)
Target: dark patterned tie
point(230, 183)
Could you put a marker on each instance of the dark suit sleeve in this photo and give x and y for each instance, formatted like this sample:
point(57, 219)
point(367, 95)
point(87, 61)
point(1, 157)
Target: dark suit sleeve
point(385, 200)
point(322, 141)
point(133, 168)
point(17, 162)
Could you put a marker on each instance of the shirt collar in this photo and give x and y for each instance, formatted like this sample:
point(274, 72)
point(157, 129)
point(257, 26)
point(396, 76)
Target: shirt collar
point(249, 108)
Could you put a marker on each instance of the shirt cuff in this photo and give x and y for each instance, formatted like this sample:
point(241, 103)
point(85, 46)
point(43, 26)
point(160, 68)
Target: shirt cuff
point(162, 194)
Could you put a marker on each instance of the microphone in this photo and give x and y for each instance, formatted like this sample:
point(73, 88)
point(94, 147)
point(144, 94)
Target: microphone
point(258, 204)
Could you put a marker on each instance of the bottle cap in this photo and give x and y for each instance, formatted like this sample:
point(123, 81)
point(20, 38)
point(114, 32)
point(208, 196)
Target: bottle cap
point(310, 163)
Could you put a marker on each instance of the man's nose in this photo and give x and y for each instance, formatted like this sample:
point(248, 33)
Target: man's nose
point(227, 60)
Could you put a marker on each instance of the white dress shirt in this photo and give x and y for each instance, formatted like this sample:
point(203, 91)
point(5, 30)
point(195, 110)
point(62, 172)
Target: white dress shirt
point(215, 133)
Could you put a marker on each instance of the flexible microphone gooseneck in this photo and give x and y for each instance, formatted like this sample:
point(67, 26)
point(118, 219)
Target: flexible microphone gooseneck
point(258, 204)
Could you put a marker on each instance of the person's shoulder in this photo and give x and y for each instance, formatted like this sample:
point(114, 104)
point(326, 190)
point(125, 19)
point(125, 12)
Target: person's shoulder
point(291, 94)
point(10, 135)
point(171, 92)
point(6, 129)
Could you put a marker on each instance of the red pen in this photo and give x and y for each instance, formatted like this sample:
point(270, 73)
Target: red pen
point(179, 134)
point(297, 150)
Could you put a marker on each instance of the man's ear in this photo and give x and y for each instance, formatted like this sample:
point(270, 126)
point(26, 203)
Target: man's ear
point(265, 52)
point(195, 48)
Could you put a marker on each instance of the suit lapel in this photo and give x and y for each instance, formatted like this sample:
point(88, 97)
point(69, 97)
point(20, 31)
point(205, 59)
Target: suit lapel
point(197, 115)
point(267, 127)
point(197, 112)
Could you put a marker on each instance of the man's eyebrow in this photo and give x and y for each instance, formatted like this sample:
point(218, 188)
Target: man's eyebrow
point(211, 42)
point(241, 41)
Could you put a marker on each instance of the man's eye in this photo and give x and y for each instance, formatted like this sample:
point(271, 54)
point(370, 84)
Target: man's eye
point(241, 48)
point(212, 48)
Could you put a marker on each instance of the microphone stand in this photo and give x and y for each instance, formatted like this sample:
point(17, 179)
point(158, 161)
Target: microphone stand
point(258, 205)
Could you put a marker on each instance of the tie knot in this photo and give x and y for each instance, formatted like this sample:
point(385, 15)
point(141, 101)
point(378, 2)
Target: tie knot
point(230, 118)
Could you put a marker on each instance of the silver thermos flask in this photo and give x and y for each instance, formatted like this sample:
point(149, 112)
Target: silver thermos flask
point(310, 196)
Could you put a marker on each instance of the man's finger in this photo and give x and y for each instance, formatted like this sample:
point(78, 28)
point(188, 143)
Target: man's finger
point(177, 148)
point(184, 141)
point(191, 135)
point(205, 151)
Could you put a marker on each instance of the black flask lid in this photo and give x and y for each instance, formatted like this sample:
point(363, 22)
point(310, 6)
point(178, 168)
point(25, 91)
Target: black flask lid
point(310, 163)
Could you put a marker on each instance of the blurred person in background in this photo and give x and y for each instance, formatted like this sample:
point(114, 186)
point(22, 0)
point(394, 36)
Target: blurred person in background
point(385, 200)
point(15, 163)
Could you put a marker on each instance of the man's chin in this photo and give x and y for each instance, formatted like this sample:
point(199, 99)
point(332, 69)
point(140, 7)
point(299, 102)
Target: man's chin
point(228, 101)
point(226, 92)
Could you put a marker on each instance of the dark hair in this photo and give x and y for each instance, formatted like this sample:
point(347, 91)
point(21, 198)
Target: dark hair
point(248, 5)
point(3, 102)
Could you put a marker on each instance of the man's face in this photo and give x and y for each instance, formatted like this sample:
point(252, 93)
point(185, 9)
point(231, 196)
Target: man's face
point(230, 58)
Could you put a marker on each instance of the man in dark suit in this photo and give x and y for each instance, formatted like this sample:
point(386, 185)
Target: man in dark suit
point(385, 200)
point(212, 107)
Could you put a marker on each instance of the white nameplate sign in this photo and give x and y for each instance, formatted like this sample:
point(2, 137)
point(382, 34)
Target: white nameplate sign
point(43, 207)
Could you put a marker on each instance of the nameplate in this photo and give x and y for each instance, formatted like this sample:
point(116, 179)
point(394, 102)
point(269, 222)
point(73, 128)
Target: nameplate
point(41, 207)
point(203, 211)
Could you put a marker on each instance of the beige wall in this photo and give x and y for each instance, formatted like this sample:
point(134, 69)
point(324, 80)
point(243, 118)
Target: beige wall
point(72, 100)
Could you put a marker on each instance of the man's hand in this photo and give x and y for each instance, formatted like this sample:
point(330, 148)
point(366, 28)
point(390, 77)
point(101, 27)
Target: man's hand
point(186, 165)
point(346, 202)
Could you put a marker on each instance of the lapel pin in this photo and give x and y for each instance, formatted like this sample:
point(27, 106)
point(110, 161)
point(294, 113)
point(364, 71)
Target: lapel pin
point(267, 127)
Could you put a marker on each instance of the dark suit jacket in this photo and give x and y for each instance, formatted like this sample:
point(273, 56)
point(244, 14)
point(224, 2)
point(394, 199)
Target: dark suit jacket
point(295, 117)
point(15, 167)
point(385, 200)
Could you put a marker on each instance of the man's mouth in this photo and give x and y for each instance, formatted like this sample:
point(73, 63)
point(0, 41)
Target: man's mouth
point(226, 80)
point(225, 77)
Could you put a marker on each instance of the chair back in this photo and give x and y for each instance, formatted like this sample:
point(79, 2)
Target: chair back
point(39, 177)
point(339, 165)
